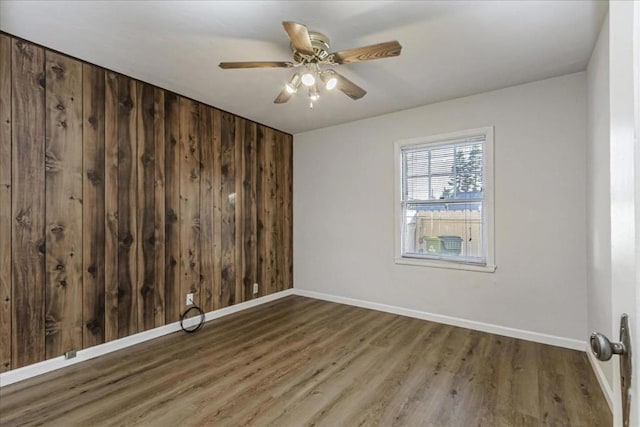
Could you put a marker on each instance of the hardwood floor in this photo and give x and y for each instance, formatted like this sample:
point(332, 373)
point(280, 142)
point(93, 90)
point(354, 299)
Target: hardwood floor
point(299, 361)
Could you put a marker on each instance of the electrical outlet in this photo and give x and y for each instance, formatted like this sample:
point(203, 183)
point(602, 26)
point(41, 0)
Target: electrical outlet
point(189, 299)
point(70, 354)
point(255, 288)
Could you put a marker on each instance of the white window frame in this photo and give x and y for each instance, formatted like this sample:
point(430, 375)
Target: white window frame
point(488, 202)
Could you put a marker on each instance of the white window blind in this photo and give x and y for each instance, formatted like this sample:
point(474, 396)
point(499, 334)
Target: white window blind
point(442, 200)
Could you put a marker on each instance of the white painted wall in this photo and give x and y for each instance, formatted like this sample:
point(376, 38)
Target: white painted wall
point(344, 207)
point(599, 195)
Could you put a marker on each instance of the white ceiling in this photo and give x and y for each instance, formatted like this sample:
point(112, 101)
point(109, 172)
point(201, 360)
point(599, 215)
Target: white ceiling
point(450, 48)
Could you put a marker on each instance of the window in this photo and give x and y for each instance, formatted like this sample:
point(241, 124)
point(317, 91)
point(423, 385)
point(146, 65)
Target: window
point(444, 202)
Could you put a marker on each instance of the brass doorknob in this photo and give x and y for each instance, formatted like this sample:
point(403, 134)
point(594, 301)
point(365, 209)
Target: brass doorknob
point(603, 348)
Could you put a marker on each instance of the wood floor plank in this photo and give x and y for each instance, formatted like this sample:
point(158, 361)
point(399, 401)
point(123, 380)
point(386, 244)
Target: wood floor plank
point(299, 361)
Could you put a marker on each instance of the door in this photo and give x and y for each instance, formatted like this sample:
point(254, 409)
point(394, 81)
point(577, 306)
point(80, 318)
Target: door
point(625, 191)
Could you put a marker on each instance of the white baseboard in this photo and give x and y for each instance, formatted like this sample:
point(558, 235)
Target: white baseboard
point(448, 320)
point(602, 380)
point(39, 368)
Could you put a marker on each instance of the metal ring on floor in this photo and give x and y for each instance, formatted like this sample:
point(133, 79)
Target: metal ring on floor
point(184, 315)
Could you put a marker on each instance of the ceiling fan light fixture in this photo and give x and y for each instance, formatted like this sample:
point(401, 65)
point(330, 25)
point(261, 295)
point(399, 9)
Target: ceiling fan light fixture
point(314, 95)
point(293, 84)
point(308, 79)
point(329, 79)
point(311, 50)
point(331, 83)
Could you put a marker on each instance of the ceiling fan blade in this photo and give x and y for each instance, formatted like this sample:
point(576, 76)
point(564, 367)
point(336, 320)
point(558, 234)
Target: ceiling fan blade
point(282, 97)
point(349, 88)
point(299, 36)
point(256, 64)
point(367, 53)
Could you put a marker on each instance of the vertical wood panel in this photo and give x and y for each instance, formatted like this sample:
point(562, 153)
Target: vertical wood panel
point(239, 133)
point(189, 201)
point(217, 210)
point(159, 184)
point(28, 203)
point(93, 232)
point(150, 137)
point(287, 229)
point(63, 210)
point(278, 240)
point(127, 207)
point(5, 203)
point(207, 215)
point(269, 214)
point(111, 208)
point(248, 241)
point(260, 248)
point(261, 190)
point(172, 207)
point(227, 210)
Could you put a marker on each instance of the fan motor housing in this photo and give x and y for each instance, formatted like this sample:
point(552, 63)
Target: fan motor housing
point(320, 44)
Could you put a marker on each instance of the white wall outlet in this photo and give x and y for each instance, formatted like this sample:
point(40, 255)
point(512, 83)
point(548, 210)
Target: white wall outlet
point(255, 288)
point(189, 299)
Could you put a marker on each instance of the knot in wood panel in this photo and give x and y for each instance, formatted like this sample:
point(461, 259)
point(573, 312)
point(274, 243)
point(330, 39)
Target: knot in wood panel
point(50, 325)
point(94, 326)
point(92, 270)
point(58, 70)
point(23, 219)
point(128, 240)
point(93, 121)
point(22, 48)
point(127, 103)
point(42, 247)
point(94, 178)
point(147, 289)
point(171, 216)
point(51, 163)
point(146, 158)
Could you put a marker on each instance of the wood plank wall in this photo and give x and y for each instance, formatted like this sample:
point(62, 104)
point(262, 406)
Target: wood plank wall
point(117, 198)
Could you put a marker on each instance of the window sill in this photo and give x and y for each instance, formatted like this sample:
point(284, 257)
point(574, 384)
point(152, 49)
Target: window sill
point(445, 264)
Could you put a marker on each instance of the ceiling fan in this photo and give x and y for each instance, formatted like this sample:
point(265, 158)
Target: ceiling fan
point(311, 51)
